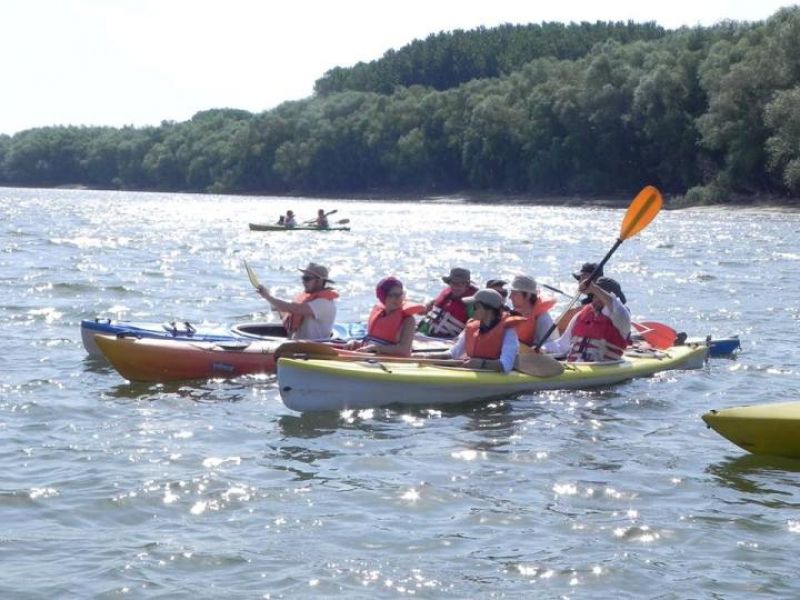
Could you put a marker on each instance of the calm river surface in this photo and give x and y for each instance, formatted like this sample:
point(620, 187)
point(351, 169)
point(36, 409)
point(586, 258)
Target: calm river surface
point(216, 490)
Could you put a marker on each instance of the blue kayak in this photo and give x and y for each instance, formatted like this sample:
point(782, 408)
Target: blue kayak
point(183, 330)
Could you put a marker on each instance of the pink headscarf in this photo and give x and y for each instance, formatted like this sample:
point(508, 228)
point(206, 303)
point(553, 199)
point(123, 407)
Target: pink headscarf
point(384, 285)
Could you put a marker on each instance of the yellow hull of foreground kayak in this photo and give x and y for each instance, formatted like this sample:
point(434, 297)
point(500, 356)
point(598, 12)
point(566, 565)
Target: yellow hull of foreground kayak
point(761, 429)
point(311, 385)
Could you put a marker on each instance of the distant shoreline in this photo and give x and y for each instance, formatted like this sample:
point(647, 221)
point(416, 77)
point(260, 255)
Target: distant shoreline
point(760, 201)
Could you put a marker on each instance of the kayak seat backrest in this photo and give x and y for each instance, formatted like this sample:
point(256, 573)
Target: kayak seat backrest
point(260, 330)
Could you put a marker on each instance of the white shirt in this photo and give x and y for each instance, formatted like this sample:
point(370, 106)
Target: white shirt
point(319, 326)
point(619, 314)
point(508, 352)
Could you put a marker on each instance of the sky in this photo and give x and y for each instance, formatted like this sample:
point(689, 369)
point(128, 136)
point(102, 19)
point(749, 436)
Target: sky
point(140, 62)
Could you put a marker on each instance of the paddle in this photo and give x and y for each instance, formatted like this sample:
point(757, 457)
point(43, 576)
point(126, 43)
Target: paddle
point(656, 334)
point(342, 221)
point(640, 213)
point(252, 275)
point(530, 364)
point(326, 214)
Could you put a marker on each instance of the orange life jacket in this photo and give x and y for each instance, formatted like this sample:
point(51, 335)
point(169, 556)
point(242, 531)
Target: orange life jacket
point(526, 329)
point(291, 321)
point(595, 338)
point(386, 328)
point(487, 345)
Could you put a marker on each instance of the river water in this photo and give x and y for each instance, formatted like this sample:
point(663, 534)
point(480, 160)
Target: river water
point(216, 490)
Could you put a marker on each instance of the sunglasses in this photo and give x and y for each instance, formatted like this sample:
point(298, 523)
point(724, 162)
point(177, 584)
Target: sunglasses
point(308, 278)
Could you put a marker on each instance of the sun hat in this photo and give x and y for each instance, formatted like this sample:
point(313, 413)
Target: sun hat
point(523, 283)
point(457, 275)
point(588, 268)
point(491, 298)
point(317, 271)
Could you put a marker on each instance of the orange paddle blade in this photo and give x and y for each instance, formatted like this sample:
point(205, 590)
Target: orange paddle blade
point(642, 210)
point(657, 335)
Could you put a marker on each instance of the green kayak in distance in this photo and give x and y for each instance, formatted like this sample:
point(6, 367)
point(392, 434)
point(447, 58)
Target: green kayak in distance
point(261, 227)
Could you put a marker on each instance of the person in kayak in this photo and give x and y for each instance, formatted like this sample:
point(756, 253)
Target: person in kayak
point(321, 222)
point(601, 330)
point(447, 315)
point(289, 222)
point(312, 313)
point(499, 286)
point(281, 220)
point(527, 303)
point(585, 271)
point(391, 325)
point(489, 341)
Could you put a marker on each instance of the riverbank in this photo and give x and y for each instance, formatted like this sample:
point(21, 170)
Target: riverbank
point(671, 201)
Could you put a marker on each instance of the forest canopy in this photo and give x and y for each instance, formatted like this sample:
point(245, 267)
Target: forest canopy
point(709, 112)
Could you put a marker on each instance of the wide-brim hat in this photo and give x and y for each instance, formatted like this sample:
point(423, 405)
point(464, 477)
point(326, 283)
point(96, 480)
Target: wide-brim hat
point(588, 268)
point(523, 283)
point(490, 298)
point(317, 271)
point(458, 275)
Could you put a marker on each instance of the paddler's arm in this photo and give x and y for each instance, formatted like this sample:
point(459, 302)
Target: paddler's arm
point(458, 350)
point(295, 308)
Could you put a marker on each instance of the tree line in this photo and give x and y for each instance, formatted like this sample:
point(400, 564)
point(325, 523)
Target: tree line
point(711, 113)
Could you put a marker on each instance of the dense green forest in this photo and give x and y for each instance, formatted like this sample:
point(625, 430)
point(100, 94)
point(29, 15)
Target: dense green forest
point(709, 113)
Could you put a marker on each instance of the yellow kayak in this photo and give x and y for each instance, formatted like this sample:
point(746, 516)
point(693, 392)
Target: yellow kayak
point(761, 429)
point(312, 385)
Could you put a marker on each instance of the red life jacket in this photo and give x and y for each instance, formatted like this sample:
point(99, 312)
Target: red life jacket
point(449, 315)
point(386, 328)
point(526, 329)
point(595, 338)
point(488, 345)
point(292, 322)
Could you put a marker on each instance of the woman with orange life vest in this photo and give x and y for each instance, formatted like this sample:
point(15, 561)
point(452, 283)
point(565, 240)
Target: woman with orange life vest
point(527, 303)
point(489, 341)
point(447, 315)
point(601, 330)
point(312, 313)
point(391, 325)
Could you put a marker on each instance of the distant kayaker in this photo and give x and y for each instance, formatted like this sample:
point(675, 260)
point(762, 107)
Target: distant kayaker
point(322, 220)
point(447, 315)
point(601, 330)
point(312, 313)
point(289, 222)
point(391, 325)
point(527, 303)
point(489, 341)
point(281, 220)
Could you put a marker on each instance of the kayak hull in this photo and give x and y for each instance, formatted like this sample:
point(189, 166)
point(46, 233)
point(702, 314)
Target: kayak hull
point(185, 331)
point(157, 360)
point(772, 429)
point(719, 347)
point(262, 227)
point(316, 385)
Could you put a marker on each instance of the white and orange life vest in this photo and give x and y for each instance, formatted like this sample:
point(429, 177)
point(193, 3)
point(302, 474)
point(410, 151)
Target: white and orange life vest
point(526, 329)
point(292, 322)
point(595, 337)
point(489, 344)
point(386, 328)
